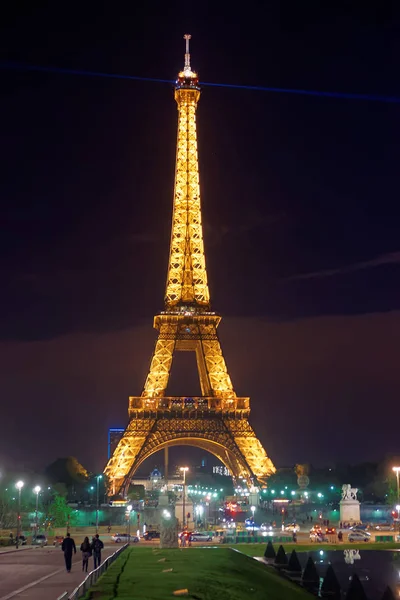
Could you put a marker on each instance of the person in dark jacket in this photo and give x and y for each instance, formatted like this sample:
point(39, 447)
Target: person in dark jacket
point(86, 550)
point(97, 547)
point(68, 546)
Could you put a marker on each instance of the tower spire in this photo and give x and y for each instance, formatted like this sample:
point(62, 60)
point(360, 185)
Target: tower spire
point(187, 275)
point(187, 68)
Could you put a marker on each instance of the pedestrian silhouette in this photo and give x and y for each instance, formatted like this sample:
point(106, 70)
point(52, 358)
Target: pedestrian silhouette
point(68, 546)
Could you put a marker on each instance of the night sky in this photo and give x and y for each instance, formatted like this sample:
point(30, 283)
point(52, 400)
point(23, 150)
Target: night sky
point(300, 210)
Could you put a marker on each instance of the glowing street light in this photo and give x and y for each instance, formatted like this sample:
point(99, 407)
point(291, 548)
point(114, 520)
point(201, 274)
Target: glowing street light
point(19, 485)
point(396, 470)
point(253, 510)
point(36, 489)
point(183, 470)
point(97, 502)
point(129, 512)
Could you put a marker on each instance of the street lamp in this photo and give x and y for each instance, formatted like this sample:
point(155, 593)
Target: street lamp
point(36, 489)
point(396, 470)
point(19, 485)
point(97, 502)
point(184, 469)
point(253, 510)
point(129, 511)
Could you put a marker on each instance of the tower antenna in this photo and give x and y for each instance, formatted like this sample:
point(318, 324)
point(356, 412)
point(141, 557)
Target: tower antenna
point(187, 37)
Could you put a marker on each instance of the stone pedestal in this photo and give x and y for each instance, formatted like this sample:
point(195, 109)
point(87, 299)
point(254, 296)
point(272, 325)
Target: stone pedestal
point(350, 511)
point(169, 532)
point(254, 498)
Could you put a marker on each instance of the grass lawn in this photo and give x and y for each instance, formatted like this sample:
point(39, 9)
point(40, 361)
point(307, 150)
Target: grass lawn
point(208, 574)
point(258, 549)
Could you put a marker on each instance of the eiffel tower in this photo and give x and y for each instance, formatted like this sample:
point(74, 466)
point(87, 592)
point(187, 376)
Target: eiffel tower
point(218, 420)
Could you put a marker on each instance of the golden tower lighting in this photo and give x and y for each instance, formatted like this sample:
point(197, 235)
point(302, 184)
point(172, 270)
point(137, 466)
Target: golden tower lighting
point(217, 421)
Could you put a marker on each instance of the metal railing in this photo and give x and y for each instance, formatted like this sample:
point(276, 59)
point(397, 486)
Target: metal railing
point(92, 577)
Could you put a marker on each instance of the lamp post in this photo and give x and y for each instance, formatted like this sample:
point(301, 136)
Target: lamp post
point(19, 485)
point(183, 470)
point(36, 489)
point(396, 470)
point(253, 510)
point(129, 512)
point(97, 503)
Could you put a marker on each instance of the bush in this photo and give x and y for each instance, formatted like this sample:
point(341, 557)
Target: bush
point(269, 550)
point(281, 558)
point(356, 590)
point(310, 577)
point(388, 594)
point(330, 586)
point(5, 541)
point(294, 565)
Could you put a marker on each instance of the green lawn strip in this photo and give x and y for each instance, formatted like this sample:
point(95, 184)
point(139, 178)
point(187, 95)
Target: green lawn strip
point(208, 574)
point(258, 549)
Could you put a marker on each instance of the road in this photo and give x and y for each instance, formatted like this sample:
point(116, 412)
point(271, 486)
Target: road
point(39, 573)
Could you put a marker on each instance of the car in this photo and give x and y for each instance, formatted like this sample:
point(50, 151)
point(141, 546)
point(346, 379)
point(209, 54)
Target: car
point(196, 536)
point(359, 536)
point(384, 527)
point(39, 540)
point(58, 540)
point(293, 527)
point(151, 535)
point(124, 538)
point(318, 536)
point(330, 531)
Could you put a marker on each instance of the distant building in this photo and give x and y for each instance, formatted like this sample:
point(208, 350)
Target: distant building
point(114, 435)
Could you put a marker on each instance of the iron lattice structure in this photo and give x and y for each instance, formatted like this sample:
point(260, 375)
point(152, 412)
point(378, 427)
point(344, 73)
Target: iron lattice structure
point(218, 420)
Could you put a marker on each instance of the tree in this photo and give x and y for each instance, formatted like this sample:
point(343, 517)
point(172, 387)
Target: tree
point(60, 513)
point(136, 492)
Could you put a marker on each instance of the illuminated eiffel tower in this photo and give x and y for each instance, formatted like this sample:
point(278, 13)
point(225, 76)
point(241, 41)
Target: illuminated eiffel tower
point(218, 420)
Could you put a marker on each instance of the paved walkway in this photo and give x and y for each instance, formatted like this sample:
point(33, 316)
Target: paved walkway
point(39, 573)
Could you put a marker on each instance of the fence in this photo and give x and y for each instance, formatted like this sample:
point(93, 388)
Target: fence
point(92, 577)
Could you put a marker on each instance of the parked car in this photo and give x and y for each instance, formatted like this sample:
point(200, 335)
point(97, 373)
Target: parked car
point(119, 538)
point(359, 536)
point(151, 535)
point(39, 540)
point(58, 540)
point(196, 536)
point(293, 527)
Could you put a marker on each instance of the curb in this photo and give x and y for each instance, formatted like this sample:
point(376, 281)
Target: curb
point(16, 550)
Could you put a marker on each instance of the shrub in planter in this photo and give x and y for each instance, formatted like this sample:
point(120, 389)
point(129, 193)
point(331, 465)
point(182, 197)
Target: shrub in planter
point(294, 565)
point(356, 590)
point(388, 594)
point(310, 577)
point(281, 558)
point(330, 586)
point(270, 551)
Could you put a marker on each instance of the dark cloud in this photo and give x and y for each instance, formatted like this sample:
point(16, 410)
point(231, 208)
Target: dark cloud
point(391, 258)
point(320, 388)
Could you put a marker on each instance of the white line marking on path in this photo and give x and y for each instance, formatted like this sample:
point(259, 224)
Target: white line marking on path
point(29, 585)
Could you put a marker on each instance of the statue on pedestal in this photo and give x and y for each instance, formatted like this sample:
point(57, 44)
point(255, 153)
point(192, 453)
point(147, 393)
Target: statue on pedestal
point(349, 506)
point(349, 493)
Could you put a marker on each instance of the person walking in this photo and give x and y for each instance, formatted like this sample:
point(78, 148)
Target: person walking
point(68, 546)
point(97, 547)
point(86, 550)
